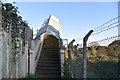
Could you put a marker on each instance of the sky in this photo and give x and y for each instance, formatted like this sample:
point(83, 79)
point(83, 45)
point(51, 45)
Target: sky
point(76, 18)
point(63, 0)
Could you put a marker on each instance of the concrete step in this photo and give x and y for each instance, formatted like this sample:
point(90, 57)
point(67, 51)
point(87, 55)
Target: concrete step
point(50, 71)
point(48, 75)
point(53, 54)
point(50, 51)
point(47, 56)
point(50, 47)
point(49, 62)
point(49, 59)
point(38, 78)
point(50, 65)
point(42, 63)
point(50, 68)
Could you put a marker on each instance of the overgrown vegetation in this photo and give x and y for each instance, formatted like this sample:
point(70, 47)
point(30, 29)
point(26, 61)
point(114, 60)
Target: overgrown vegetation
point(103, 62)
point(15, 26)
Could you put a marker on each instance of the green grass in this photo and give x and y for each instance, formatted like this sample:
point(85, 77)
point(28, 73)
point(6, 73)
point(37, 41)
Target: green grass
point(29, 77)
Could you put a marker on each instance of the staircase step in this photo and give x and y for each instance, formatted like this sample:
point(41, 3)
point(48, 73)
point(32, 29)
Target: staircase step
point(38, 78)
point(47, 64)
point(50, 65)
point(48, 75)
point(48, 72)
point(50, 51)
point(48, 68)
point(53, 54)
point(57, 48)
point(50, 48)
point(53, 61)
point(49, 59)
point(49, 56)
point(45, 68)
point(42, 63)
point(51, 45)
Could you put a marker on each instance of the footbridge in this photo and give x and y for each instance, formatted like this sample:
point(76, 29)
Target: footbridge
point(46, 56)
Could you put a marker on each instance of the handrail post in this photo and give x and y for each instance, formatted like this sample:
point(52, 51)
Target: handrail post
point(85, 54)
point(64, 54)
point(69, 59)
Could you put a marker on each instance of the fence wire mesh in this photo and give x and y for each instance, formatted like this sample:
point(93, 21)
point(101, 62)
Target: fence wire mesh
point(102, 59)
point(103, 54)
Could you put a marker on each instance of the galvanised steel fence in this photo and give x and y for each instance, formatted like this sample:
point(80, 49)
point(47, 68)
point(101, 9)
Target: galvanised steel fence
point(102, 54)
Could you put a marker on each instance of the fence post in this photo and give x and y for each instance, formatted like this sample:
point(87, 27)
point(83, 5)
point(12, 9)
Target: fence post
point(85, 54)
point(69, 59)
point(76, 60)
point(64, 65)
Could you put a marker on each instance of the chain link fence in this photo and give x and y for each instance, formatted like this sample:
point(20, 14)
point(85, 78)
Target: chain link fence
point(103, 55)
point(102, 60)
